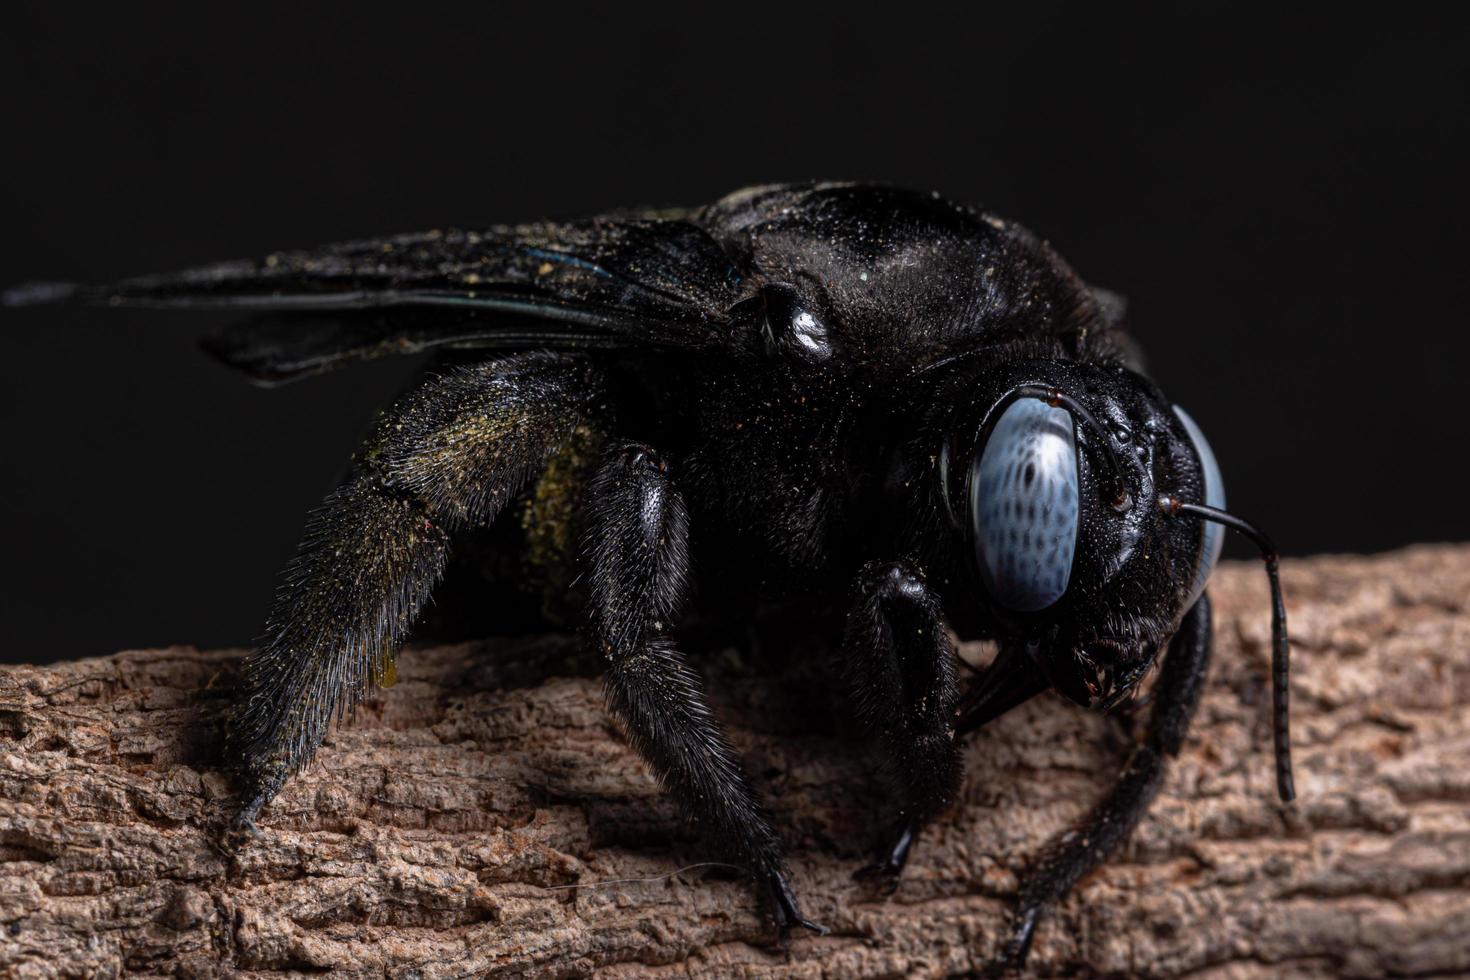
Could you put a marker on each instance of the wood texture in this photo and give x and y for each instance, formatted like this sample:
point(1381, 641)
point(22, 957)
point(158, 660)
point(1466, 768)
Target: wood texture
point(438, 832)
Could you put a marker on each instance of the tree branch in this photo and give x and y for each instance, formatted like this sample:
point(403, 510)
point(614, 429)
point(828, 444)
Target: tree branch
point(437, 833)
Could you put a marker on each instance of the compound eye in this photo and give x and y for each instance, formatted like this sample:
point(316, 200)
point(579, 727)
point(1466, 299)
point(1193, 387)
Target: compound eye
point(1023, 500)
point(1214, 497)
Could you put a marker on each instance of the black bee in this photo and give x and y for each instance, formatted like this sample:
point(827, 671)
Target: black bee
point(800, 391)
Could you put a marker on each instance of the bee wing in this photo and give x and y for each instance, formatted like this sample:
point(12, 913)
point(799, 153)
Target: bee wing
point(655, 281)
point(1113, 306)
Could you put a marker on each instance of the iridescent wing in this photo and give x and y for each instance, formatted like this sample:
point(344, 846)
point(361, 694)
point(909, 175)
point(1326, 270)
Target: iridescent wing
point(642, 281)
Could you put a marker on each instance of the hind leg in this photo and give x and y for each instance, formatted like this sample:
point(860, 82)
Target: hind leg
point(447, 457)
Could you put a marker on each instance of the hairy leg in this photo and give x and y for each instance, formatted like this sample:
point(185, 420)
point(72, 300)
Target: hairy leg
point(1010, 681)
point(1070, 855)
point(446, 457)
point(637, 545)
point(901, 670)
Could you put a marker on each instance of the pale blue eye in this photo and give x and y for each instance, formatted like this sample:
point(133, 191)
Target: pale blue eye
point(1214, 497)
point(1023, 500)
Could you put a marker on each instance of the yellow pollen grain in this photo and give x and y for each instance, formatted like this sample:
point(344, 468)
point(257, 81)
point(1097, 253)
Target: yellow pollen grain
point(385, 672)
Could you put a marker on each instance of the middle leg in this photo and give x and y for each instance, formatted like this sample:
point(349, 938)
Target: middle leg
point(637, 544)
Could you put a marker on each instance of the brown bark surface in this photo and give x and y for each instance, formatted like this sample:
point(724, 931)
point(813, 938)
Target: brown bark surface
point(436, 834)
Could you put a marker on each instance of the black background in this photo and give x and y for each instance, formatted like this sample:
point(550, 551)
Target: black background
point(1284, 206)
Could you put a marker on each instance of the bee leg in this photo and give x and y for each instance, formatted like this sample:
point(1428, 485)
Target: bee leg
point(447, 456)
point(902, 672)
point(636, 543)
point(1070, 855)
point(1010, 681)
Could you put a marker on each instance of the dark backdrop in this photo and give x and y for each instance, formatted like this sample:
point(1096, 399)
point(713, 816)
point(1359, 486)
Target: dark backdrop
point(1285, 209)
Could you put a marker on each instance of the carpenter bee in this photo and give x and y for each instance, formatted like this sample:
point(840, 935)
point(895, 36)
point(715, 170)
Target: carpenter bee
point(804, 392)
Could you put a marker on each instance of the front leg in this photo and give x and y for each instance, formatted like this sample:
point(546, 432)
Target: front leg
point(901, 670)
point(1070, 855)
point(637, 544)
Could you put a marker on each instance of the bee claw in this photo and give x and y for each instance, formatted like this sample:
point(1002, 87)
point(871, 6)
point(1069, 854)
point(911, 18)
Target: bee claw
point(784, 910)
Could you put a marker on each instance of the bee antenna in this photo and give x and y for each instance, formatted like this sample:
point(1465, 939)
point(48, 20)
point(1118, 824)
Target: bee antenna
point(1280, 643)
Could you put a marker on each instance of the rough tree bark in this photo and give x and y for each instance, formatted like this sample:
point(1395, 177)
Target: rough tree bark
point(437, 834)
